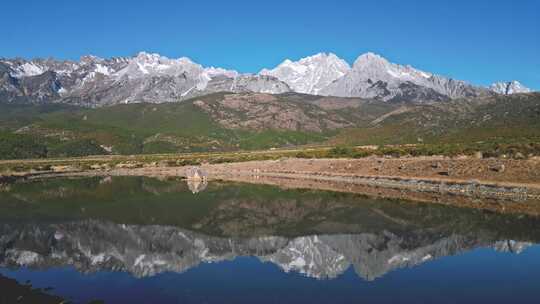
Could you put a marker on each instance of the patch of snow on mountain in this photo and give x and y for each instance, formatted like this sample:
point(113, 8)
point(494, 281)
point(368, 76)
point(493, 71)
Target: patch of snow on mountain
point(28, 69)
point(102, 69)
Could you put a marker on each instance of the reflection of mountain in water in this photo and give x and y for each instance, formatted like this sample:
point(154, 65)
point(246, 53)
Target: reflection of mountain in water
point(145, 250)
point(146, 226)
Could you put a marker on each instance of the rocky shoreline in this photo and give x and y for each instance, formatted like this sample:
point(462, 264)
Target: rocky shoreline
point(469, 189)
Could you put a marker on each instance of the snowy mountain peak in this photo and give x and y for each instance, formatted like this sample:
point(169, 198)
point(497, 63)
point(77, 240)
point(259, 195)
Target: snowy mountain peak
point(91, 59)
point(373, 76)
point(154, 59)
point(213, 71)
point(286, 62)
point(153, 64)
point(370, 58)
point(310, 74)
point(321, 57)
point(510, 87)
point(150, 57)
point(375, 65)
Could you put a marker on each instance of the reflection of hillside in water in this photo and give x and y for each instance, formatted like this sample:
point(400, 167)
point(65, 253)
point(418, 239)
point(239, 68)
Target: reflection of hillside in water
point(146, 226)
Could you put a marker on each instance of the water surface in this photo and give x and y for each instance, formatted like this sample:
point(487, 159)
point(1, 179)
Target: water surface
point(143, 240)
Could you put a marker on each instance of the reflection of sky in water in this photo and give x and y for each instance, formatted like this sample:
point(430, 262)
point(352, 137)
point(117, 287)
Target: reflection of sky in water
point(482, 275)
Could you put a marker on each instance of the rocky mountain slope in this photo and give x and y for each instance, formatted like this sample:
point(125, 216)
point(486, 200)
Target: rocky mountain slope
point(270, 112)
point(153, 78)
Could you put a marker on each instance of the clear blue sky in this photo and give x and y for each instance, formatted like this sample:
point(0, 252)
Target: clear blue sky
point(479, 41)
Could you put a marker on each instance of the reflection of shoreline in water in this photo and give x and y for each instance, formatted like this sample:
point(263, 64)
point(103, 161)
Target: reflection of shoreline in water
point(197, 185)
point(471, 194)
point(93, 245)
point(440, 195)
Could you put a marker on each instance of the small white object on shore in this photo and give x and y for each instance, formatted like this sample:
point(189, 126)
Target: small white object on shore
point(196, 173)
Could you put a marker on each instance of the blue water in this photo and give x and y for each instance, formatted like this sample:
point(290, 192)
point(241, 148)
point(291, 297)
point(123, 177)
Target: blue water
point(140, 240)
point(478, 276)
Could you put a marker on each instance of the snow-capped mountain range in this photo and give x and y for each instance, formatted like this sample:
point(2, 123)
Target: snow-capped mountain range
point(147, 77)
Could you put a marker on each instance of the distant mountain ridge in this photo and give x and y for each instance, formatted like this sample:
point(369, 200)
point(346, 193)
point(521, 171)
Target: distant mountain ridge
point(153, 78)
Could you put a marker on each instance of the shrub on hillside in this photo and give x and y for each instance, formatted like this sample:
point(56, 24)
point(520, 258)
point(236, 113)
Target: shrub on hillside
point(341, 151)
point(81, 147)
point(20, 146)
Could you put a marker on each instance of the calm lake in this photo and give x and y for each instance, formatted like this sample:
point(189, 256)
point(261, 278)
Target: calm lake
point(145, 240)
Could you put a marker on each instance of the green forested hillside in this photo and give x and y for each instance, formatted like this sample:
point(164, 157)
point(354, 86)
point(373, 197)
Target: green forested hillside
point(45, 130)
point(225, 122)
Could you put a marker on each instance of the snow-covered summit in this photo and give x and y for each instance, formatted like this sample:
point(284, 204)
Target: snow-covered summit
point(310, 74)
point(510, 87)
point(374, 66)
point(151, 64)
point(373, 76)
point(213, 71)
